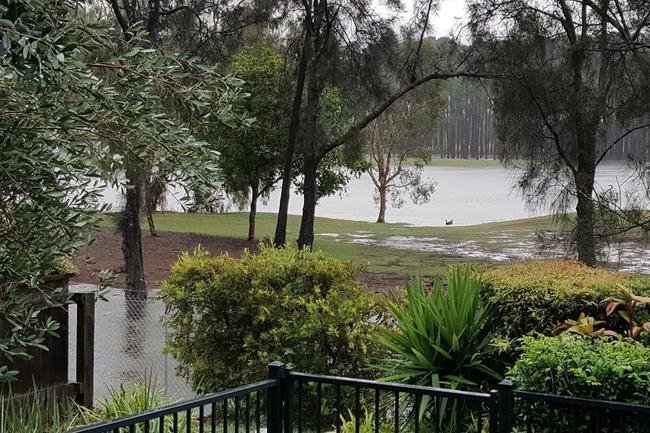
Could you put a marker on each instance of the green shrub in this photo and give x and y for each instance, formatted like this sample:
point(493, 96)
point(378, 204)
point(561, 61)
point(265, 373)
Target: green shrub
point(441, 338)
point(538, 296)
point(584, 367)
point(580, 366)
point(231, 317)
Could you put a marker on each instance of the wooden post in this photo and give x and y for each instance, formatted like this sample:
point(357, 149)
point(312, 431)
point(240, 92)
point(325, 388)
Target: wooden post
point(85, 346)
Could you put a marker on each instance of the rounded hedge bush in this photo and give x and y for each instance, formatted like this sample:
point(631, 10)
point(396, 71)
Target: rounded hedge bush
point(538, 296)
point(230, 317)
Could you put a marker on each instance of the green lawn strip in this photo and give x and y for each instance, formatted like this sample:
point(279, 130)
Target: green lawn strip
point(379, 259)
point(464, 163)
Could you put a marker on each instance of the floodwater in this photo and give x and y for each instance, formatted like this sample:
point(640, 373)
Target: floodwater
point(467, 196)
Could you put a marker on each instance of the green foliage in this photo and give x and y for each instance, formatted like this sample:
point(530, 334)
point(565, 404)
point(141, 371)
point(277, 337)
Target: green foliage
point(582, 367)
point(251, 158)
point(231, 317)
point(366, 423)
point(441, 336)
point(540, 295)
point(633, 309)
point(123, 402)
point(70, 113)
point(46, 196)
point(585, 325)
point(37, 413)
point(64, 265)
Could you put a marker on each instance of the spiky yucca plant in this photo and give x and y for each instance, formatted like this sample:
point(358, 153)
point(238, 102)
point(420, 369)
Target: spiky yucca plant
point(441, 337)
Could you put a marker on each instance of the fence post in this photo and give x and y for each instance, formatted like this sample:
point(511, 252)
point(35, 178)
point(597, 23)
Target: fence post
point(506, 406)
point(288, 401)
point(85, 346)
point(276, 394)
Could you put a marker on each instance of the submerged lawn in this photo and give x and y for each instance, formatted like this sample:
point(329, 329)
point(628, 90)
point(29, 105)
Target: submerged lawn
point(354, 239)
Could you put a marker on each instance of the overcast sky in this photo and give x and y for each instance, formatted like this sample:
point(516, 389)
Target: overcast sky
point(452, 13)
point(448, 19)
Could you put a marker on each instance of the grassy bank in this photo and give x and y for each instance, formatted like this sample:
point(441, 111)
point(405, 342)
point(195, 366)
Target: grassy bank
point(356, 239)
point(462, 163)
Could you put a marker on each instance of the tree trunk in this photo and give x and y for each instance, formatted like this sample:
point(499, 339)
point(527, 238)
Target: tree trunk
point(150, 222)
point(306, 237)
point(154, 188)
point(585, 242)
point(382, 205)
point(252, 215)
point(280, 238)
point(132, 234)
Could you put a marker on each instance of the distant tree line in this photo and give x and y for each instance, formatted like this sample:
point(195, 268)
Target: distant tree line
point(465, 128)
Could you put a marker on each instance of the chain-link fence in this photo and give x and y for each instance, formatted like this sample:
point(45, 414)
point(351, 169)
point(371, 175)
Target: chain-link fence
point(129, 338)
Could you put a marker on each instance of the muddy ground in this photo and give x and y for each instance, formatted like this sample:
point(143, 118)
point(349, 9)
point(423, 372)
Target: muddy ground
point(160, 252)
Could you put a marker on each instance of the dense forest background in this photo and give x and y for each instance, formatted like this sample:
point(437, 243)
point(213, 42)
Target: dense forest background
point(466, 125)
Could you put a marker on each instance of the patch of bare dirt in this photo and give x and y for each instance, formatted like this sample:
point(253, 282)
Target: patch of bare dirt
point(159, 253)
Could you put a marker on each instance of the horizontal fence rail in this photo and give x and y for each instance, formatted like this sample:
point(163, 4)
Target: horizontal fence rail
point(293, 402)
point(237, 410)
point(543, 413)
point(319, 404)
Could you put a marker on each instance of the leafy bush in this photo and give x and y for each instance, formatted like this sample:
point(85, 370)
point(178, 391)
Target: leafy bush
point(231, 317)
point(584, 367)
point(580, 366)
point(540, 295)
point(441, 337)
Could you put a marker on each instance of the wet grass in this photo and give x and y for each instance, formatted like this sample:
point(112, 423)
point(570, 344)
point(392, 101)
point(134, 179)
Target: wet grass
point(463, 163)
point(344, 238)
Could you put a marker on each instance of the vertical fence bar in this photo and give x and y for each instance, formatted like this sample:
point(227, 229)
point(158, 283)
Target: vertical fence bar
point(236, 414)
point(416, 412)
point(225, 416)
point(258, 428)
point(319, 402)
point(213, 418)
point(248, 413)
point(396, 411)
point(506, 406)
point(357, 409)
point(494, 411)
point(300, 386)
point(276, 371)
point(288, 401)
point(377, 416)
point(339, 413)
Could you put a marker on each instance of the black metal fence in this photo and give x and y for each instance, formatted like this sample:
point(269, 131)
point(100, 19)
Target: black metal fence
point(292, 402)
